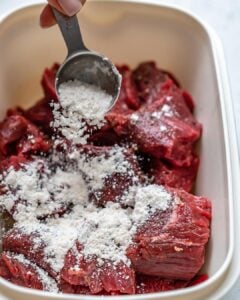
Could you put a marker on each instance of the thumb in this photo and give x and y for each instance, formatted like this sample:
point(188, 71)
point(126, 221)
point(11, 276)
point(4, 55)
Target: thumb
point(71, 7)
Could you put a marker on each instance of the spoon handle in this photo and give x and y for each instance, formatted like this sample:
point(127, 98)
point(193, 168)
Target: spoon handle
point(70, 29)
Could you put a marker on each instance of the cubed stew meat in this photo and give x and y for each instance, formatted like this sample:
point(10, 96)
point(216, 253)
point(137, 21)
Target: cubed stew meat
point(113, 213)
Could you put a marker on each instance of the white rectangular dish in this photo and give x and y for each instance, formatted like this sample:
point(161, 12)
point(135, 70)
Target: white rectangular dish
point(131, 32)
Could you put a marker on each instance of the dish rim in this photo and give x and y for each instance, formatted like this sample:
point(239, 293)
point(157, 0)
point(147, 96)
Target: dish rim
point(229, 131)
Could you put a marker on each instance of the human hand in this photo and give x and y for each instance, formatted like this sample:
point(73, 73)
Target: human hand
point(67, 7)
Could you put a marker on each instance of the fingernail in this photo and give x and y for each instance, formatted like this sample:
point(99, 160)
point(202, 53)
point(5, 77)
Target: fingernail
point(70, 7)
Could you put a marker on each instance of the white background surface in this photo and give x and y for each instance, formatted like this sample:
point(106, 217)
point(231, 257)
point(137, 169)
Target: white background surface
point(224, 16)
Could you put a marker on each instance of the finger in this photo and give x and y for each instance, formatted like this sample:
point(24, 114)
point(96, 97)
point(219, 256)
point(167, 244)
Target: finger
point(46, 18)
point(55, 3)
point(69, 7)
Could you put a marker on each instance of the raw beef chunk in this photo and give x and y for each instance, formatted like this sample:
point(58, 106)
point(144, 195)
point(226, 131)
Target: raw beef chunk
point(152, 284)
point(149, 80)
point(198, 279)
point(81, 272)
point(47, 174)
point(48, 82)
point(178, 177)
point(18, 270)
point(128, 93)
point(83, 290)
point(30, 246)
point(77, 272)
point(19, 136)
point(117, 181)
point(166, 128)
point(12, 129)
point(188, 100)
point(17, 111)
point(41, 115)
point(127, 102)
point(119, 123)
point(172, 243)
point(112, 217)
point(105, 136)
point(13, 161)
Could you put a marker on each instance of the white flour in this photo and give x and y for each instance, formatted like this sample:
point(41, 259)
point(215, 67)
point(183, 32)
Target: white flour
point(50, 185)
point(98, 168)
point(33, 188)
point(80, 105)
point(104, 232)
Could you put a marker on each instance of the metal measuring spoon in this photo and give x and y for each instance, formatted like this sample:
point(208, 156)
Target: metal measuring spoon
point(82, 64)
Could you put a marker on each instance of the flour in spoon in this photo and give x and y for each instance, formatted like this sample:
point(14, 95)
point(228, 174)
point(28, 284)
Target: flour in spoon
point(81, 109)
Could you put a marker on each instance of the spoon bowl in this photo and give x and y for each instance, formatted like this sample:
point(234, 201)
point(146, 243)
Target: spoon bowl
point(92, 68)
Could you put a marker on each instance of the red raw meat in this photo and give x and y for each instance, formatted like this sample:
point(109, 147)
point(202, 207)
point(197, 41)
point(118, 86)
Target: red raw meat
point(177, 177)
point(149, 80)
point(128, 93)
point(23, 274)
point(152, 284)
point(33, 142)
point(105, 136)
point(166, 128)
point(119, 121)
point(18, 111)
point(83, 290)
point(127, 102)
point(13, 161)
point(154, 114)
point(172, 77)
point(188, 100)
point(52, 211)
point(117, 183)
point(108, 277)
point(11, 130)
point(174, 247)
point(41, 115)
point(21, 243)
point(48, 82)
point(67, 288)
point(19, 136)
point(118, 116)
point(198, 279)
